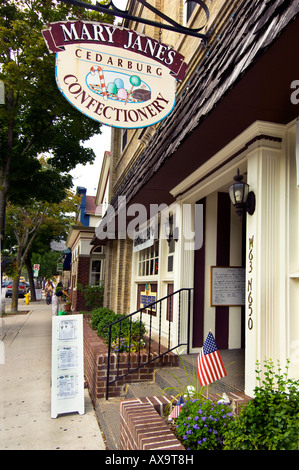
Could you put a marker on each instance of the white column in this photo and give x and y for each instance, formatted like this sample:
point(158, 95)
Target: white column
point(292, 347)
point(185, 218)
point(265, 320)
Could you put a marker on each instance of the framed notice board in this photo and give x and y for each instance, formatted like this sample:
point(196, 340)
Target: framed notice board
point(227, 286)
point(67, 385)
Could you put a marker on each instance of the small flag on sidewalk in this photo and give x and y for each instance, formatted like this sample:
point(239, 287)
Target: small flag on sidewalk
point(209, 363)
point(177, 409)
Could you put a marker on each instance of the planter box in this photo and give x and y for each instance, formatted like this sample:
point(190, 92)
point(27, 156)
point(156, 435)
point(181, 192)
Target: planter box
point(142, 426)
point(96, 361)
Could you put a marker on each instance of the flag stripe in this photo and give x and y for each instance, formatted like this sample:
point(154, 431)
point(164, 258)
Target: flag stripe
point(219, 363)
point(176, 411)
point(213, 363)
point(202, 371)
point(210, 367)
point(207, 367)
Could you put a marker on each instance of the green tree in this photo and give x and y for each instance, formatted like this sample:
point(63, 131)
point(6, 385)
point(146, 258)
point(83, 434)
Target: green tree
point(24, 223)
point(36, 119)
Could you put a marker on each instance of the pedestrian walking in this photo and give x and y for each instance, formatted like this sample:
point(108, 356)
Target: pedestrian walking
point(59, 293)
point(49, 292)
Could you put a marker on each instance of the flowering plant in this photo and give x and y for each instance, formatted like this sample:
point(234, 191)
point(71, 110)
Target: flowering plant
point(201, 424)
point(125, 345)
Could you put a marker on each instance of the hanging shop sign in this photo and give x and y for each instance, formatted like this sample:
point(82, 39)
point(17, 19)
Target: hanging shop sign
point(114, 75)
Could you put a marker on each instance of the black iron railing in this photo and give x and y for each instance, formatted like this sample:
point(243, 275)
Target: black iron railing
point(181, 301)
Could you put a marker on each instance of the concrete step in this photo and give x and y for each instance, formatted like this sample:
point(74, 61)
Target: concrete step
point(143, 389)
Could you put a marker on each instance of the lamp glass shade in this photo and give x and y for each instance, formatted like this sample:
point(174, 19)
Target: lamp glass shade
point(238, 193)
point(167, 230)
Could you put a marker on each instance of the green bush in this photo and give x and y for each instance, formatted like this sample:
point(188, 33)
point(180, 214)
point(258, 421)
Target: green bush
point(98, 314)
point(102, 329)
point(128, 328)
point(271, 420)
point(93, 295)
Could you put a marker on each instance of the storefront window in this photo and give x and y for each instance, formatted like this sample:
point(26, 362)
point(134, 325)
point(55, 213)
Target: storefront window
point(149, 260)
point(96, 266)
point(95, 276)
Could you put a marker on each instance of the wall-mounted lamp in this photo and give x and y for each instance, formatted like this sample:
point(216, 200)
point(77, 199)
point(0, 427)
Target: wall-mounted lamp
point(240, 196)
point(171, 232)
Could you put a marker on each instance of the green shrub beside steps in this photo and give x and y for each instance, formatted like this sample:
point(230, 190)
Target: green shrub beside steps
point(131, 330)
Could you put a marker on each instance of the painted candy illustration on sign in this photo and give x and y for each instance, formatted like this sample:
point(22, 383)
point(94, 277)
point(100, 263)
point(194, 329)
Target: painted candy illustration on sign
point(113, 75)
point(124, 88)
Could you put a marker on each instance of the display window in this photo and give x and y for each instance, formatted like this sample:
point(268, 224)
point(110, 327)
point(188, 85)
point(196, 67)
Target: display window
point(148, 264)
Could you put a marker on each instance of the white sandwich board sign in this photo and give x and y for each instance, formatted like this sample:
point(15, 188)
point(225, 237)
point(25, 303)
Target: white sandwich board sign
point(67, 386)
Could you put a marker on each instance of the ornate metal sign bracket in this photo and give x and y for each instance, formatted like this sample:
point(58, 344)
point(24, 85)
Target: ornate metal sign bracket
point(172, 25)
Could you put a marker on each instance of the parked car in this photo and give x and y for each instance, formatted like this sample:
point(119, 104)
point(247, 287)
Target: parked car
point(23, 289)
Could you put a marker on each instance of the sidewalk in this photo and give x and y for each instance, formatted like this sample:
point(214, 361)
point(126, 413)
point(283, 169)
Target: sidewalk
point(25, 388)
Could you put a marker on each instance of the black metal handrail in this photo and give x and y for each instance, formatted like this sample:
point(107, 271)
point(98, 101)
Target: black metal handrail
point(150, 310)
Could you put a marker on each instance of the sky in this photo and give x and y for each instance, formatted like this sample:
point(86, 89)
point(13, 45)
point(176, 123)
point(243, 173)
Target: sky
point(88, 175)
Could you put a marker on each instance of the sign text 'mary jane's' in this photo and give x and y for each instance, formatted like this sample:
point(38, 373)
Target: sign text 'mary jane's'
point(114, 75)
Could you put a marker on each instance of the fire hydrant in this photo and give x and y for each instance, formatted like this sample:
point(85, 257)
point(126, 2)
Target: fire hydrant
point(27, 298)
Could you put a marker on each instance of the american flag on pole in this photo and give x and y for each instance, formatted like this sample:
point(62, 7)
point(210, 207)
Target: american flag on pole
point(209, 363)
point(177, 409)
